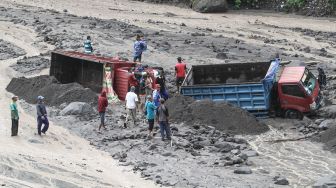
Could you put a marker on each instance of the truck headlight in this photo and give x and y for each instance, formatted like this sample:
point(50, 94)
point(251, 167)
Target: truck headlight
point(312, 105)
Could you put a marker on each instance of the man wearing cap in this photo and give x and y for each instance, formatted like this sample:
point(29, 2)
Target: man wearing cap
point(14, 116)
point(131, 105)
point(41, 116)
point(180, 72)
point(162, 116)
point(150, 108)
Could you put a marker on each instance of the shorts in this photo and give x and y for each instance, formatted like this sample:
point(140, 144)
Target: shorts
point(179, 80)
point(138, 57)
point(150, 124)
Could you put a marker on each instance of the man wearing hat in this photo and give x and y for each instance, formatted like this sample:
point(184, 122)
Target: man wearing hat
point(14, 116)
point(131, 105)
point(180, 72)
point(41, 116)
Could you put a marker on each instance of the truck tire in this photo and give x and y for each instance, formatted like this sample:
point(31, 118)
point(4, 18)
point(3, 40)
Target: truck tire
point(293, 114)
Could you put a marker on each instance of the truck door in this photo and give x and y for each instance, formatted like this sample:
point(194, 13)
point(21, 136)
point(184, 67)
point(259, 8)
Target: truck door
point(292, 97)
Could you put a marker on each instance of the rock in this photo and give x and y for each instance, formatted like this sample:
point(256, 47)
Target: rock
point(326, 182)
point(250, 153)
point(206, 6)
point(326, 124)
point(167, 154)
point(224, 147)
point(152, 147)
point(221, 55)
point(243, 156)
point(77, 108)
point(306, 49)
point(328, 111)
point(237, 160)
point(281, 181)
point(35, 141)
point(243, 170)
point(235, 151)
point(198, 146)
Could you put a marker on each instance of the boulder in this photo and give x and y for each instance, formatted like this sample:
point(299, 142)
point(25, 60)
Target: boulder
point(281, 181)
point(77, 108)
point(250, 153)
point(208, 6)
point(326, 182)
point(224, 147)
point(326, 124)
point(243, 170)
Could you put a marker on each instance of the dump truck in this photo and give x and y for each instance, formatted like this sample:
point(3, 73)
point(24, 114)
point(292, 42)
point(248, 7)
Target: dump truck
point(262, 88)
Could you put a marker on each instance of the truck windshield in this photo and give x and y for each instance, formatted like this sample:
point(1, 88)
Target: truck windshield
point(308, 80)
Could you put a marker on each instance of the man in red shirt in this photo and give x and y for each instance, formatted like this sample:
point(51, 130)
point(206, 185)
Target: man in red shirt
point(102, 104)
point(180, 72)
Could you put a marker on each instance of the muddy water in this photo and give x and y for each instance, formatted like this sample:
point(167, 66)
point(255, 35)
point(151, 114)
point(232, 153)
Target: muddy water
point(301, 162)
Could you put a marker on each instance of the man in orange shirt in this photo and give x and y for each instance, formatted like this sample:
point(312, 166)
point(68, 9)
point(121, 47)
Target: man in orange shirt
point(180, 72)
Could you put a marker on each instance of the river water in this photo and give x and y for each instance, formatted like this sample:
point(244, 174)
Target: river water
point(301, 162)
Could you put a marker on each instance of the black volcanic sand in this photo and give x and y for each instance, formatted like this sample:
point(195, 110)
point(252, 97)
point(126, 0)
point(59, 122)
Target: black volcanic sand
point(222, 116)
point(9, 51)
point(31, 65)
point(55, 93)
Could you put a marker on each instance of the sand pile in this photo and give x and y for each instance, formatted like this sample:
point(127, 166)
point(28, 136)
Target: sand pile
point(54, 92)
point(222, 116)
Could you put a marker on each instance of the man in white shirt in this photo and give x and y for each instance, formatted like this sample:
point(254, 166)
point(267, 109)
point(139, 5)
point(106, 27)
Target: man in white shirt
point(131, 105)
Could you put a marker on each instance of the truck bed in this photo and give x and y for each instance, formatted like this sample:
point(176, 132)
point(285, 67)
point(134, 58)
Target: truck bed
point(242, 85)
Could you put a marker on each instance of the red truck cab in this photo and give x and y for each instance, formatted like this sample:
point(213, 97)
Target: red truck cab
point(298, 92)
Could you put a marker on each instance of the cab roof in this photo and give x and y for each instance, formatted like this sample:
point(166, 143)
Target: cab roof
point(291, 74)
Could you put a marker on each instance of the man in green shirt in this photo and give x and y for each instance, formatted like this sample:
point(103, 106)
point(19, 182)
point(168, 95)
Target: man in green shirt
point(14, 116)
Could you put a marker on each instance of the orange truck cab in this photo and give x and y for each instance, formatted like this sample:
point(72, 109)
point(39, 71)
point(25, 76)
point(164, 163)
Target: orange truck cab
point(298, 92)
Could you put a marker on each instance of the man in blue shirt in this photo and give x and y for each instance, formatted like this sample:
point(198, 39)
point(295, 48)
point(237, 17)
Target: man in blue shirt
point(139, 46)
point(150, 108)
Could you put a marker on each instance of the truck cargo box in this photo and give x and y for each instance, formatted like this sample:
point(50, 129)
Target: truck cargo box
point(87, 70)
point(243, 85)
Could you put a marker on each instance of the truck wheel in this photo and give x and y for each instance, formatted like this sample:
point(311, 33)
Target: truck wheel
point(293, 114)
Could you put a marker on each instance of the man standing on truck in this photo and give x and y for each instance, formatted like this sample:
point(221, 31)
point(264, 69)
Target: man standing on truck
point(139, 46)
point(180, 72)
point(87, 45)
point(41, 116)
point(102, 104)
point(131, 106)
point(14, 116)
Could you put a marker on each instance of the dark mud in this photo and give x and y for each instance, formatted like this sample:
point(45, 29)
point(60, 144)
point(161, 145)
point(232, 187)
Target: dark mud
point(55, 93)
point(222, 116)
point(31, 65)
point(8, 50)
